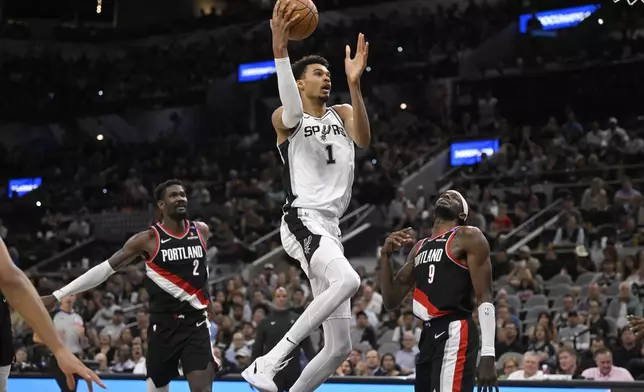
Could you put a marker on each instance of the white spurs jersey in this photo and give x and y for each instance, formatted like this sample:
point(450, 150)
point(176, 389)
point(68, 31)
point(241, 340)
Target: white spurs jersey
point(319, 158)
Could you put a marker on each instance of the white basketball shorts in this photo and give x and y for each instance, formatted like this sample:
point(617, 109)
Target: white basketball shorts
point(314, 240)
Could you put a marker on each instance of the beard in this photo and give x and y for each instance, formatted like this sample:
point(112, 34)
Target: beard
point(178, 216)
point(445, 213)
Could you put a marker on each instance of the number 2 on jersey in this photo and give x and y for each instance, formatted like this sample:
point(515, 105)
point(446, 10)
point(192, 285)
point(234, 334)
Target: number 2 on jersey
point(329, 155)
point(432, 271)
point(195, 271)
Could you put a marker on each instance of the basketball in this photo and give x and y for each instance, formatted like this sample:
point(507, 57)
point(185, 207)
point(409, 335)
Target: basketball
point(308, 21)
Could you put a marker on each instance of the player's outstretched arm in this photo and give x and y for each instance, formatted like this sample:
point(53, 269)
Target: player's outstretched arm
point(356, 120)
point(478, 262)
point(23, 297)
point(281, 22)
point(394, 289)
point(136, 246)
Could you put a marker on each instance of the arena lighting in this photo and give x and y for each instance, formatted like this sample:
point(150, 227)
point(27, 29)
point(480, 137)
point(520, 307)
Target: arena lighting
point(400, 49)
point(100, 93)
point(403, 106)
point(99, 137)
point(560, 18)
point(253, 72)
point(99, 6)
point(600, 21)
point(368, 69)
point(38, 204)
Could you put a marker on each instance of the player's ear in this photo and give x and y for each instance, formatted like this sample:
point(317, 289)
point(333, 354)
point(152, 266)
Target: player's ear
point(462, 216)
point(300, 84)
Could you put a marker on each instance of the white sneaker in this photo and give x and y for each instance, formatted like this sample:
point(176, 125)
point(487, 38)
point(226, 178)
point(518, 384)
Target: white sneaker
point(260, 373)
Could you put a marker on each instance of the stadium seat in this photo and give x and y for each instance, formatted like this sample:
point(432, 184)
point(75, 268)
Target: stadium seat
point(559, 280)
point(536, 300)
point(533, 313)
point(386, 337)
point(585, 279)
point(559, 290)
point(388, 348)
point(514, 302)
point(612, 325)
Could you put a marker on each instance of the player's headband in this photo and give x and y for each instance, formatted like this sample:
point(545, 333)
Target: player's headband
point(466, 208)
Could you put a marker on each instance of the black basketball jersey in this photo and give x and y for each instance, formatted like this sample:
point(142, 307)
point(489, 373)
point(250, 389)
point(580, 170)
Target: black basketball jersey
point(443, 283)
point(177, 274)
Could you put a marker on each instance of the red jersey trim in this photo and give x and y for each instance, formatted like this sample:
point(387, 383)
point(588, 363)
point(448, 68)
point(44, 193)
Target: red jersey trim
point(158, 241)
point(448, 252)
point(186, 231)
point(432, 310)
point(182, 284)
point(203, 241)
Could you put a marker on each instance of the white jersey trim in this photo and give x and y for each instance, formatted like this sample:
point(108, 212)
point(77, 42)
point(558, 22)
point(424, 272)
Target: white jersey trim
point(174, 290)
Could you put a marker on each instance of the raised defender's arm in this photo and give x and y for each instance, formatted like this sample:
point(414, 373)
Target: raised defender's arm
point(137, 245)
point(22, 296)
point(356, 120)
point(289, 115)
point(394, 289)
point(477, 250)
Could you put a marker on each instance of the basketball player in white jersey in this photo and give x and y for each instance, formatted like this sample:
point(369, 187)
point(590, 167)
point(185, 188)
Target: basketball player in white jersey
point(316, 144)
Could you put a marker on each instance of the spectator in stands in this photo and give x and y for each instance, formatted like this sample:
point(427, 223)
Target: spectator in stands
point(365, 330)
point(541, 343)
point(242, 358)
point(508, 340)
point(372, 300)
point(117, 325)
point(607, 276)
point(521, 278)
point(298, 301)
point(627, 197)
point(594, 197)
point(530, 368)
point(623, 305)
point(567, 363)
point(406, 356)
point(345, 369)
point(510, 365)
point(545, 320)
point(587, 357)
point(569, 234)
point(408, 324)
point(575, 333)
point(628, 348)
point(21, 362)
point(502, 223)
point(605, 370)
point(139, 360)
point(594, 294)
point(79, 229)
point(123, 363)
point(372, 362)
point(103, 365)
point(388, 366)
point(142, 322)
point(106, 347)
point(238, 343)
point(359, 307)
point(106, 313)
point(532, 262)
point(477, 219)
point(595, 321)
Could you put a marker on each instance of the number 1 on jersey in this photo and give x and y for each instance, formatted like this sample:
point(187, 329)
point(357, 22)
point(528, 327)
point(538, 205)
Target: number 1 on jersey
point(432, 270)
point(329, 153)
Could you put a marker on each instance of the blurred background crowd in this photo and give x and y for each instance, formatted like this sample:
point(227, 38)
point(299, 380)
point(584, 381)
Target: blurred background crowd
point(559, 199)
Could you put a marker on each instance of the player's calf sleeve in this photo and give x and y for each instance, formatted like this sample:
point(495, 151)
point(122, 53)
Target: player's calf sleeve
point(4, 375)
point(153, 388)
point(337, 338)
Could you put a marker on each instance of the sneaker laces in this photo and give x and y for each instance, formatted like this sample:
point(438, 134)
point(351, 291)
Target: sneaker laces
point(282, 365)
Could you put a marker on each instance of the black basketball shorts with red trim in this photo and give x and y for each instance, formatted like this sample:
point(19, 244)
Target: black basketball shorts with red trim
point(449, 347)
point(177, 337)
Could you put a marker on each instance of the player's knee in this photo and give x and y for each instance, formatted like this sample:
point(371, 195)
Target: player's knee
point(340, 350)
point(344, 277)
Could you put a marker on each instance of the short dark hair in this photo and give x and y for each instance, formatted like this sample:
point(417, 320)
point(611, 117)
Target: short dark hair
point(159, 191)
point(603, 350)
point(299, 67)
